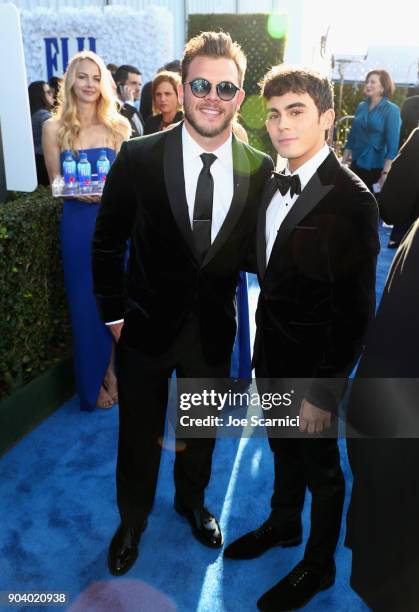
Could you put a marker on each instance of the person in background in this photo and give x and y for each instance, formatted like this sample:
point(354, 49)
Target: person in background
point(112, 68)
point(166, 105)
point(383, 516)
point(86, 120)
point(373, 140)
point(128, 82)
point(41, 100)
point(146, 105)
point(54, 83)
point(410, 121)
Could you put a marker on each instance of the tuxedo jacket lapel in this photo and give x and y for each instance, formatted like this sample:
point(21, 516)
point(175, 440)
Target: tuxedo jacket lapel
point(320, 184)
point(241, 177)
point(175, 184)
point(267, 196)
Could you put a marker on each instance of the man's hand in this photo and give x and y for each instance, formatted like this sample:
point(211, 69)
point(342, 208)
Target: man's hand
point(126, 93)
point(313, 419)
point(116, 329)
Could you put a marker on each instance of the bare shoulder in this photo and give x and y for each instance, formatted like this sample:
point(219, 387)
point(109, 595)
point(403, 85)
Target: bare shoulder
point(50, 127)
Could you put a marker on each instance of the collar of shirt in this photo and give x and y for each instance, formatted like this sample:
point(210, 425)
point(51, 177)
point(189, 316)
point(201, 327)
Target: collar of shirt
point(192, 150)
point(307, 170)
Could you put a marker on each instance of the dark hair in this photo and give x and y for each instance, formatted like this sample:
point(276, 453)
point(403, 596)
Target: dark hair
point(121, 74)
point(215, 45)
point(55, 83)
point(112, 68)
point(282, 79)
point(385, 80)
point(37, 98)
point(173, 66)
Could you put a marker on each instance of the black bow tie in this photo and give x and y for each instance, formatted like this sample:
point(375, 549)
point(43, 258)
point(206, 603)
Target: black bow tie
point(287, 182)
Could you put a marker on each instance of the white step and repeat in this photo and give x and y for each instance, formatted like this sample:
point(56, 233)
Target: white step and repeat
point(179, 9)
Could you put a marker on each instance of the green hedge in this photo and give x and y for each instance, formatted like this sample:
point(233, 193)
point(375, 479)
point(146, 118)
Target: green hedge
point(34, 323)
point(262, 38)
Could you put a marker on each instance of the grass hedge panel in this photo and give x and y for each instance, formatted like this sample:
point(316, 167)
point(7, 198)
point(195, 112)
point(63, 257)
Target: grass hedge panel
point(34, 322)
point(262, 51)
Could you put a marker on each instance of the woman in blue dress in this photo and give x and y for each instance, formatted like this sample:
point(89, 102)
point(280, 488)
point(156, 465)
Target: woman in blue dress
point(86, 120)
point(373, 141)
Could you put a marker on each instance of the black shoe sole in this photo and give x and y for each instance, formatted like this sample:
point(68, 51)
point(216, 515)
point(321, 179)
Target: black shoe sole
point(296, 541)
point(197, 534)
point(325, 586)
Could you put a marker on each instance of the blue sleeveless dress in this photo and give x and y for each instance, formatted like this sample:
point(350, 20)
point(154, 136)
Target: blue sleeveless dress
point(92, 340)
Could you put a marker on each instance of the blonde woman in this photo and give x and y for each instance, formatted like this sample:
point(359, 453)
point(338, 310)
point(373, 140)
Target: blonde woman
point(166, 105)
point(86, 120)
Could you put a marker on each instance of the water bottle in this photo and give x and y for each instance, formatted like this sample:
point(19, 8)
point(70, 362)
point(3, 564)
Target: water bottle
point(84, 173)
point(69, 170)
point(102, 166)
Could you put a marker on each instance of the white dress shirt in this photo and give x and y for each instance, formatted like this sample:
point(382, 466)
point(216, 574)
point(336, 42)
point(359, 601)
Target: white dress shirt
point(280, 205)
point(222, 174)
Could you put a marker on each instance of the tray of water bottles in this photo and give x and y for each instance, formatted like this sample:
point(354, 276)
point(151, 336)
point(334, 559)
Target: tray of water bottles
point(78, 179)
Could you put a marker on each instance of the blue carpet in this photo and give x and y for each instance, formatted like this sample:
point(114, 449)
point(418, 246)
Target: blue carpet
point(58, 513)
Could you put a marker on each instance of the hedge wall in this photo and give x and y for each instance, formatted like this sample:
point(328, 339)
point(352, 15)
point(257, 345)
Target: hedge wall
point(263, 41)
point(34, 323)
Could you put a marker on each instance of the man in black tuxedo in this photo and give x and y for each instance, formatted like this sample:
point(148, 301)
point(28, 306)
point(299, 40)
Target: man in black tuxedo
point(188, 200)
point(317, 245)
point(128, 82)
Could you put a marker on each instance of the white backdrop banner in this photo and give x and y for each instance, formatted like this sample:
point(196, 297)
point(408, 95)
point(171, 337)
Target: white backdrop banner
point(117, 33)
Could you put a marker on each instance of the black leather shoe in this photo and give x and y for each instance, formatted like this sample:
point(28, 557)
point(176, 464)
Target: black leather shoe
point(204, 525)
point(123, 550)
point(295, 590)
point(255, 543)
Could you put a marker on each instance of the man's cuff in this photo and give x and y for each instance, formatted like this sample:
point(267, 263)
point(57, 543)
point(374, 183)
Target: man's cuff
point(114, 322)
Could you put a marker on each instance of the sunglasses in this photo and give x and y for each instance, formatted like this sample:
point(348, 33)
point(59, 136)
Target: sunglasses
point(201, 88)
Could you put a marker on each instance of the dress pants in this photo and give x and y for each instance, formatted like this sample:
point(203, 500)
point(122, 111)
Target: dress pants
point(369, 177)
point(302, 462)
point(143, 385)
point(312, 463)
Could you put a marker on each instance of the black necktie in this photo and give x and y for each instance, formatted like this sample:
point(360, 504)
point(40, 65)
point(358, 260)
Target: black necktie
point(202, 212)
point(288, 181)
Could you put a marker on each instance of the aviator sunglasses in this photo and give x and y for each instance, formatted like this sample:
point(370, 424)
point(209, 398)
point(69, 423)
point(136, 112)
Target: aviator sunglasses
point(201, 88)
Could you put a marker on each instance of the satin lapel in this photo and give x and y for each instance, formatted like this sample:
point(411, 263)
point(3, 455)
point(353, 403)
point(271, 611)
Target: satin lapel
point(267, 196)
point(311, 195)
point(241, 174)
point(175, 183)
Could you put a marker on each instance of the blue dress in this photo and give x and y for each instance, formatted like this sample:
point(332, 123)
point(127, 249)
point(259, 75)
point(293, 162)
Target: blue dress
point(92, 340)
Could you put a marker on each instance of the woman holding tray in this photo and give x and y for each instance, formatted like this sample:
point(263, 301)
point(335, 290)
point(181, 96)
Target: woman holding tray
point(86, 120)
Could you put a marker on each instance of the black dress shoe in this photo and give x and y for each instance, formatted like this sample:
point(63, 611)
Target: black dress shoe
point(123, 550)
point(295, 590)
point(255, 543)
point(204, 525)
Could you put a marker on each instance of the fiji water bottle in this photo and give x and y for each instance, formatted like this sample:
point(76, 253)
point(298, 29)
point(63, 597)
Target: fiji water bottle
point(84, 173)
point(102, 166)
point(69, 170)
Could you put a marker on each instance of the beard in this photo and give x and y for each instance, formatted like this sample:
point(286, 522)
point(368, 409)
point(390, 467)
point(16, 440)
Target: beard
point(208, 131)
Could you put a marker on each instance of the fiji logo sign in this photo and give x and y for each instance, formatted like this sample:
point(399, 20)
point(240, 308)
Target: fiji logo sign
point(58, 51)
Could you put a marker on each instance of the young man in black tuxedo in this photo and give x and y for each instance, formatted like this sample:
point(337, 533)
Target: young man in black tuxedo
point(188, 200)
point(317, 245)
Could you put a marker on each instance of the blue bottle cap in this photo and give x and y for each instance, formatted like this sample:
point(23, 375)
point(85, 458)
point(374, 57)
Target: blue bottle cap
point(83, 155)
point(68, 154)
point(103, 152)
